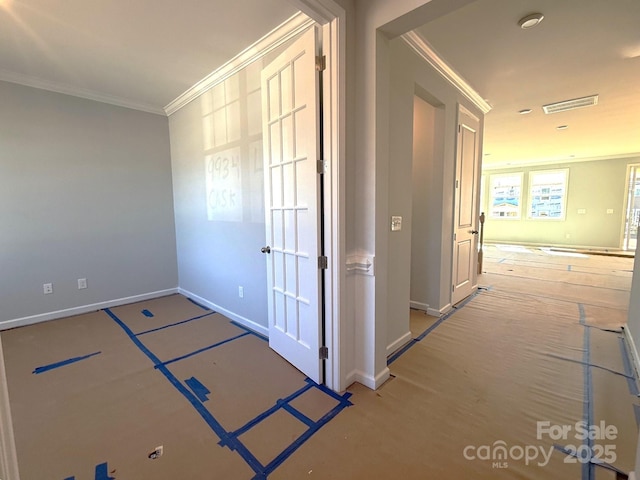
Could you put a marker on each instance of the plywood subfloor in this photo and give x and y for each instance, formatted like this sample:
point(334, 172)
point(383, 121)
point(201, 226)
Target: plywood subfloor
point(540, 342)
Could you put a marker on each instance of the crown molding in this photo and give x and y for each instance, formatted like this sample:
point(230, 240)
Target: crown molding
point(272, 40)
point(65, 89)
point(322, 11)
point(426, 52)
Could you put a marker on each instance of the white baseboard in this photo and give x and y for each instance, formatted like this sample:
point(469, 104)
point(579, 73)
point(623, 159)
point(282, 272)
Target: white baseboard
point(367, 380)
point(634, 350)
point(419, 306)
point(393, 346)
point(8, 456)
point(436, 313)
point(68, 312)
point(250, 324)
point(430, 311)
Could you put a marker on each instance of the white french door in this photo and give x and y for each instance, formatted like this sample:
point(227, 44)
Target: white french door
point(290, 119)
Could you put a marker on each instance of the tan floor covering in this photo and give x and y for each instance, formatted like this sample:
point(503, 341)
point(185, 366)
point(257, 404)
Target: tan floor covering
point(539, 342)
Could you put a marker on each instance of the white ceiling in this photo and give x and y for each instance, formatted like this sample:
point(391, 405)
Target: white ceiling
point(145, 53)
point(142, 53)
point(582, 47)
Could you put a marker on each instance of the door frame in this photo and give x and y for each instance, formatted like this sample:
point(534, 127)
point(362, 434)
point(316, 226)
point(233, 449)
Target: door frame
point(628, 198)
point(332, 18)
point(8, 455)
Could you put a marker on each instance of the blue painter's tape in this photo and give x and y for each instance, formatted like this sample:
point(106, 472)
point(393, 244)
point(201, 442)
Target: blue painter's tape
point(267, 413)
point(568, 268)
point(600, 367)
point(147, 313)
point(438, 322)
point(177, 359)
point(248, 330)
point(593, 461)
point(199, 305)
point(501, 260)
point(176, 323)
point(216, 427)
point(583, 317)
point(628, 369)
point(287, 452)
point(102, 472)
point(588, 472)
point(299, 415)
point(69, 361)
point(70, 478)
point(198, 388)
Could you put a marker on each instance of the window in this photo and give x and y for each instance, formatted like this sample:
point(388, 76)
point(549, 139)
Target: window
point(548, 194)
point(505, 196)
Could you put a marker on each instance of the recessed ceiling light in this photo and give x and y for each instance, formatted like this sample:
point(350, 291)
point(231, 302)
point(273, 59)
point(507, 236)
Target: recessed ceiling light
point(562, 127)
point(530, 21)
point(525, 111)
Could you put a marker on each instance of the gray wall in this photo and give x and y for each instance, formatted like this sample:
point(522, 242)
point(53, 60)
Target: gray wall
point(595, 228)
point(218, 244)
point(410, 75)
point(428, 144)
point(85, 192)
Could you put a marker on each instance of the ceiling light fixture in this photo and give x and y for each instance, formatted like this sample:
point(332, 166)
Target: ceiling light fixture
point(530, 21)
point(525, 111)
point(562, 127)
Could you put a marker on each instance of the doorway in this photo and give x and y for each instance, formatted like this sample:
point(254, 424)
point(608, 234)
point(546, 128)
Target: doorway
point(428, 150)
point(632, 212)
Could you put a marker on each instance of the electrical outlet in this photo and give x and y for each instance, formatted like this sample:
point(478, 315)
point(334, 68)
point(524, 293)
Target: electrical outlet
point(241, 292)
point(82, 283)
point(47, 288)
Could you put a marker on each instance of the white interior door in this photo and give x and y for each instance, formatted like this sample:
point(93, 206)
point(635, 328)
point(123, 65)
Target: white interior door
point(465, 254)
point(290, 98)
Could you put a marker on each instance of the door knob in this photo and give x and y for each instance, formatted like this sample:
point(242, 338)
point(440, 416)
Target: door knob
point(266, 249)
point(474, 232)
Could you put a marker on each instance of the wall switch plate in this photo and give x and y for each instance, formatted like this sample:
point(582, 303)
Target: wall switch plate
point(241, 292)
point(396, 223)
point(82, 283)
point(47, 288)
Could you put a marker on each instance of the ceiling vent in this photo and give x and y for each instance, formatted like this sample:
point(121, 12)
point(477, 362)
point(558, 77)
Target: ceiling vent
point(571, 104)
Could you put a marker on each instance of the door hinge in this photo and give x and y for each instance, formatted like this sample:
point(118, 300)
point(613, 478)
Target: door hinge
point(459, 128)
point(457, 183)
point(321, 166)
point(453, 288)
point(455, 236)
point(321, 63)
point(324, 353)
point(323, 262)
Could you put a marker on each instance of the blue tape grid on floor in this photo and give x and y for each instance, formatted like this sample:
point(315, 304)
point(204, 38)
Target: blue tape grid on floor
point(230, 439)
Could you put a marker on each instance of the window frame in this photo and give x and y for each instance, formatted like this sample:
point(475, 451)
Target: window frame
point(492, 181)
point(565, 195)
